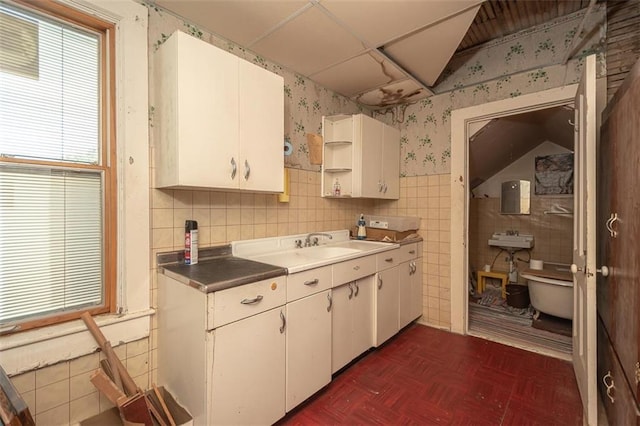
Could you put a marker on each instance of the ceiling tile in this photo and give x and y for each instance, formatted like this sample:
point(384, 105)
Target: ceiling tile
point(378, 22)
point(426, 53)
point(395, 93)
point(239, 21)
point(359, 74)
point(309, 43)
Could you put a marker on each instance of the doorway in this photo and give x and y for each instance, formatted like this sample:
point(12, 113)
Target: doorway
point(465, 123)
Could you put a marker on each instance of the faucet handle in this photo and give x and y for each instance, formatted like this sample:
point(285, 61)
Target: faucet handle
point(298, 243)
point(315, 241)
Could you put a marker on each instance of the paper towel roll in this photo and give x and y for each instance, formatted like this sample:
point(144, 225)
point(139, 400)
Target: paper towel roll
point(536, 264)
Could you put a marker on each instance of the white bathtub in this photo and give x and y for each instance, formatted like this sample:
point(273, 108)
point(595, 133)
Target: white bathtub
point(551, 296)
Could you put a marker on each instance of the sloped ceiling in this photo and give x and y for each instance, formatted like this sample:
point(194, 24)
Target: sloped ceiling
point(376, 52)
point(502, 141)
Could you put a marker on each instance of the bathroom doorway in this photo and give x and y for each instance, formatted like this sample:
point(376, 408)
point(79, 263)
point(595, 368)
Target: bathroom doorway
point(478, 208)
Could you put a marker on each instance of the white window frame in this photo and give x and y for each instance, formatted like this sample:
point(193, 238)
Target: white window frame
point(21, 352)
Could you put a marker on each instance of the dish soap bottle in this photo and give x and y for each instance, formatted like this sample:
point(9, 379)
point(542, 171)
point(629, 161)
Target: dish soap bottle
point(362, 231)
point(336, 188)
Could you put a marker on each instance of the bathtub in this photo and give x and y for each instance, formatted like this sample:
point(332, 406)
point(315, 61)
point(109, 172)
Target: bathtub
point(549, 295)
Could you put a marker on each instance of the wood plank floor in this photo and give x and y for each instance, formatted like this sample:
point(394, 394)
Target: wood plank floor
point(427, 376)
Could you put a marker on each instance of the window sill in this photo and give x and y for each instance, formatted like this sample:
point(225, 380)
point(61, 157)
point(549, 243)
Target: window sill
point(33, 349)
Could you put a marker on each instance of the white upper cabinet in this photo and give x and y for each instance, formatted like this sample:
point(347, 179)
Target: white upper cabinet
point(361, 156)
point(220, 119)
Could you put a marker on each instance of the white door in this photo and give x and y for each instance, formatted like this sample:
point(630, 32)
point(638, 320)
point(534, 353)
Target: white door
point(387, 304)
point(584, 242)
point(342, 333)
point(362, 338)
point(370, 157)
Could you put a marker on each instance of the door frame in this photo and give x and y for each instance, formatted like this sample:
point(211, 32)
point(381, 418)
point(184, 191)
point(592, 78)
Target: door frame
point(460, 121)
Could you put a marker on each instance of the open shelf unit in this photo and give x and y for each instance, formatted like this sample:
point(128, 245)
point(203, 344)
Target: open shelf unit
point(337, 155)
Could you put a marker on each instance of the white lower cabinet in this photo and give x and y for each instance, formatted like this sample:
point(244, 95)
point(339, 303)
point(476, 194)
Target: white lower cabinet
point(352, 326)
point(248, 374)
point(410, 284)
point(387, 304)
point(308, 353)
point(232, 372)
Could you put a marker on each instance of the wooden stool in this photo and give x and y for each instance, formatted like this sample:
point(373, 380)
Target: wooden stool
point(500, 275)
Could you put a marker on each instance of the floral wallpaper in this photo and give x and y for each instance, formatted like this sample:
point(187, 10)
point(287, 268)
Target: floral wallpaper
point(305, 101)
point(525, 62)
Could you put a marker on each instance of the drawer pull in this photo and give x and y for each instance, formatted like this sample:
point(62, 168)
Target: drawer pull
point(389, 259)
point(356, 268)
point(357, 289)
point(312, 282)
point(379, 282)
point(610, 386)
point(284, 322)
point(350, 291)
point(412, 252)
point(257, 299)
point(330, 299)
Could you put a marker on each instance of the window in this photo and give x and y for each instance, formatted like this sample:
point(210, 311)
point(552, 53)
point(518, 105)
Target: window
point(57, 166)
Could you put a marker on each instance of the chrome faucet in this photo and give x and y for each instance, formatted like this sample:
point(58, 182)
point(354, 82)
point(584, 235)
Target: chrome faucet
point(309, 243)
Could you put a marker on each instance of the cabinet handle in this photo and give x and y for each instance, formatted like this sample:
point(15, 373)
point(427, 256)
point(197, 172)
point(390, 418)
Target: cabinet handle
point(350, 291)
point(612, 219)
point(379, 282)
point(379, 186)
point(412, 252)
point(247, 170)
point(356, 268)
point(284, 322)
point(330, 299)
point(312, 282)
point(385, 188)
point(389, 259)
point(257, 299)
point(357, 289)
point(610, 386)
point(234, 168)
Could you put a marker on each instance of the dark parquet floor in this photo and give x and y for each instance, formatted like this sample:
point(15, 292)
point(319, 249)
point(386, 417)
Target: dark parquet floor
point(425, 376)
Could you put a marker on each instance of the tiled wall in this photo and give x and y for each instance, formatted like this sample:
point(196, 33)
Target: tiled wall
point(553, 233)
point(62, 394)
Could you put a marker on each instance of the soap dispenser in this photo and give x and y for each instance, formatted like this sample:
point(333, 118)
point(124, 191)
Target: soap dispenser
point(362, 231)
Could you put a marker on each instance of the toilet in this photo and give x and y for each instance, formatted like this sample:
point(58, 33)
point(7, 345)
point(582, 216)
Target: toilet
point(551, 289)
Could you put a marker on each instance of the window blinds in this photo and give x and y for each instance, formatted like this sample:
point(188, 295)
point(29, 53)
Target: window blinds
point(51, 211)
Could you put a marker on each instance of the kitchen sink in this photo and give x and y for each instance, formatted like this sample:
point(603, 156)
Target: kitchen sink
point(285, 252)
point(328, 252)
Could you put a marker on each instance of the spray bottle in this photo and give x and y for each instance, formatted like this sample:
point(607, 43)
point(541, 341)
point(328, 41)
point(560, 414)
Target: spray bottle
point(191, 242)
point(362, 231)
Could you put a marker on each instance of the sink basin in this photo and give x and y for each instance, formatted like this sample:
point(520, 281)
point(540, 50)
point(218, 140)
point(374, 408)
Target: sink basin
point(328, 252)
point(511, 241)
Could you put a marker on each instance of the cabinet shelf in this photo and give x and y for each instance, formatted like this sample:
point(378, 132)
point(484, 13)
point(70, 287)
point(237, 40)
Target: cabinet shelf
point(337, 170)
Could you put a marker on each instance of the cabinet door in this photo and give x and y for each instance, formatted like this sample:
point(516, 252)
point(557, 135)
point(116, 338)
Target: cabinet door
point(386, 297)
point(416, 290)
point(370, 148)
point(362, 318)
point(308, 347)
point(261, 128)
point(248, 383)
point(404, 293)
point(341, 353)
point(198, 114)
point(391, 163)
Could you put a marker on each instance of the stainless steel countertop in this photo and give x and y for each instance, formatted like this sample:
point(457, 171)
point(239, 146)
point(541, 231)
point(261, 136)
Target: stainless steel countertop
point(214, 273)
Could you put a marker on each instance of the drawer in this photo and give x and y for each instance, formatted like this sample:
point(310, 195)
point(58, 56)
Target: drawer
point(235, 303)
point(308, 282)
point(616, 395)
point(409, 252)
point(388, 259)
point(352, 270)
